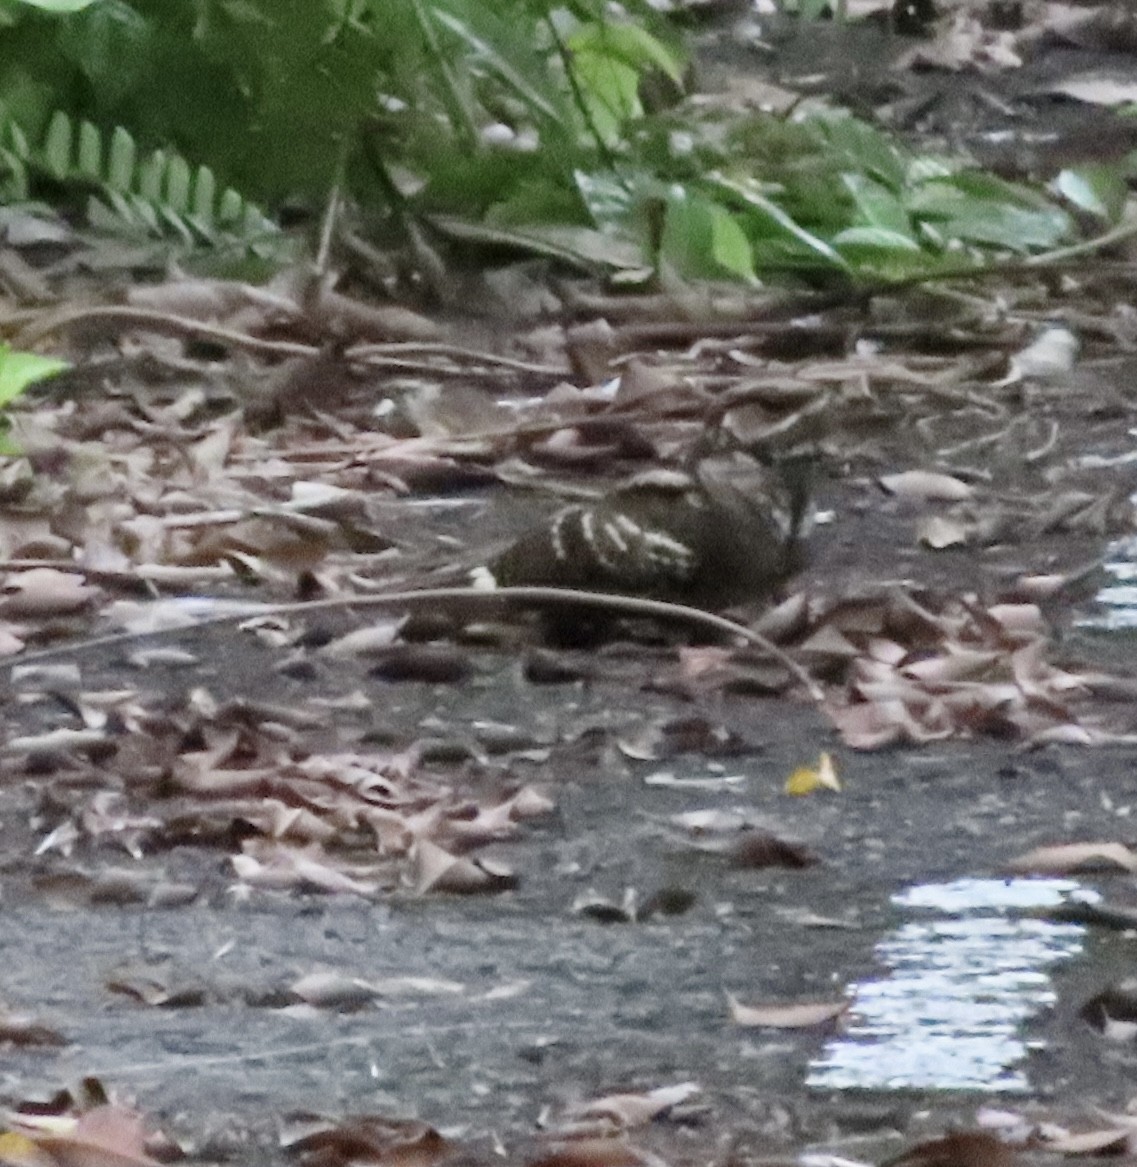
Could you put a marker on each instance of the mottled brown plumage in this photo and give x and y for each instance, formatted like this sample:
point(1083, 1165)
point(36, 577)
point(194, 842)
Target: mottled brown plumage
point(729, 532)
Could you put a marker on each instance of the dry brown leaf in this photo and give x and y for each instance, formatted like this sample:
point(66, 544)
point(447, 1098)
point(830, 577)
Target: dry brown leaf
point(1111, 1140)
point(926, 486)
point(939, 532)
point(365, 1139)
point(11, 640)
point(682, 735)
point(1049, 356)
point(963, 43)
point(417, 987)
point(794, 1015)
point(757, 849)
point(968, 670)
point(703, 660)
point(43, 592)
point(283, 867)
point(149, 991)
point(438, 870)
point(868, 726)
point(394, 835)
point(296, 823)
point(660, 389)
point(1041, 587)
point(1096, 89)
point(530, 803)
point(867, 670)
point(956, 664)
point(958, 1149)
point(17, 1030)
point(363, 642)
point(209, 300)
point(484, 825)
point(624, 1111)
point(785, 620)
point(1069, 858)
point(886, 652)
point(595, 1152)
point(709, 822)
point(1039, 734)
point(56, 741)
point(106, 1136)
point(194, 774)
point(1019, 620)
point(828, 641)
point(332, 990)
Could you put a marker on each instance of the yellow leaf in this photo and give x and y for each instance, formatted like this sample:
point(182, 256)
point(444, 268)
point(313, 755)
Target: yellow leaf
point(18, 1150)
point(806, 779)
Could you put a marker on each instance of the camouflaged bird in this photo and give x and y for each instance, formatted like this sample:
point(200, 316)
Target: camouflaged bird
point(728, 532)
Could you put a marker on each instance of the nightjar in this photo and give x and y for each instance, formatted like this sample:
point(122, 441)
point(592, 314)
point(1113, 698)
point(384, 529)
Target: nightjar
point(728, 532)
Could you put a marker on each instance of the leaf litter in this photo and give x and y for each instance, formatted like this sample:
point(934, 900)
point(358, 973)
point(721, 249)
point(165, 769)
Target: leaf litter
point(321, 506)
point(290, 470)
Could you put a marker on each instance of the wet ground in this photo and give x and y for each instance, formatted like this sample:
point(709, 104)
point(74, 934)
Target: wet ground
point(962, 988)
point(492, 1013)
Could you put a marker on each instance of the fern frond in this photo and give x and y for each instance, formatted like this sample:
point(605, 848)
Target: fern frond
point(161, 194)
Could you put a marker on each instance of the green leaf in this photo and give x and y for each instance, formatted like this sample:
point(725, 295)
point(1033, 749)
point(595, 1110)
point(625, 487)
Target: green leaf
point(767, 219)
point(18, 370)
point(701, 239)
point(89, 161)
point(730, 248)
point(178, 181)
point(534, 90)
point(611, 91)
point(981, 209)
point(109, 44)
point(863, 148)
point(880, 238)
point(807, 10)
point(876, 204)
point(607, 197)
point(120, 162)
point(58, 7)
point(150, 175)
point(630, 43)
point(57, 145)
point(204, 198)
point(609, 59)
point(1100, 191)
point(884, 253)
point(579, 246)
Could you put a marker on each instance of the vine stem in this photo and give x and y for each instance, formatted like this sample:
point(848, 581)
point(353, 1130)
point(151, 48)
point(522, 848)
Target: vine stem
point(456, 597)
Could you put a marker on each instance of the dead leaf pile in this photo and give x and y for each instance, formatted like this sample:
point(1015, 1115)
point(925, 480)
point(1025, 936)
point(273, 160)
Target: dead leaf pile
point(66, 1135)
point(613, 1113)
point(242, 778)
point(315, 1141)
point(920, 670)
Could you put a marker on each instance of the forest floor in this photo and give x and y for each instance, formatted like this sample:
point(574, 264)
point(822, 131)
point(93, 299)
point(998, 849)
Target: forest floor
point(263, 877)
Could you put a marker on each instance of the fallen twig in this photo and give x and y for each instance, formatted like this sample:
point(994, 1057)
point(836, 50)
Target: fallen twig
point(116, 318)
point(458, 598)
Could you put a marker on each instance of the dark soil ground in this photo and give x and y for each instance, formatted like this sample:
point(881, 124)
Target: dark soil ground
point(549, 1006)
point(528, 1001)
